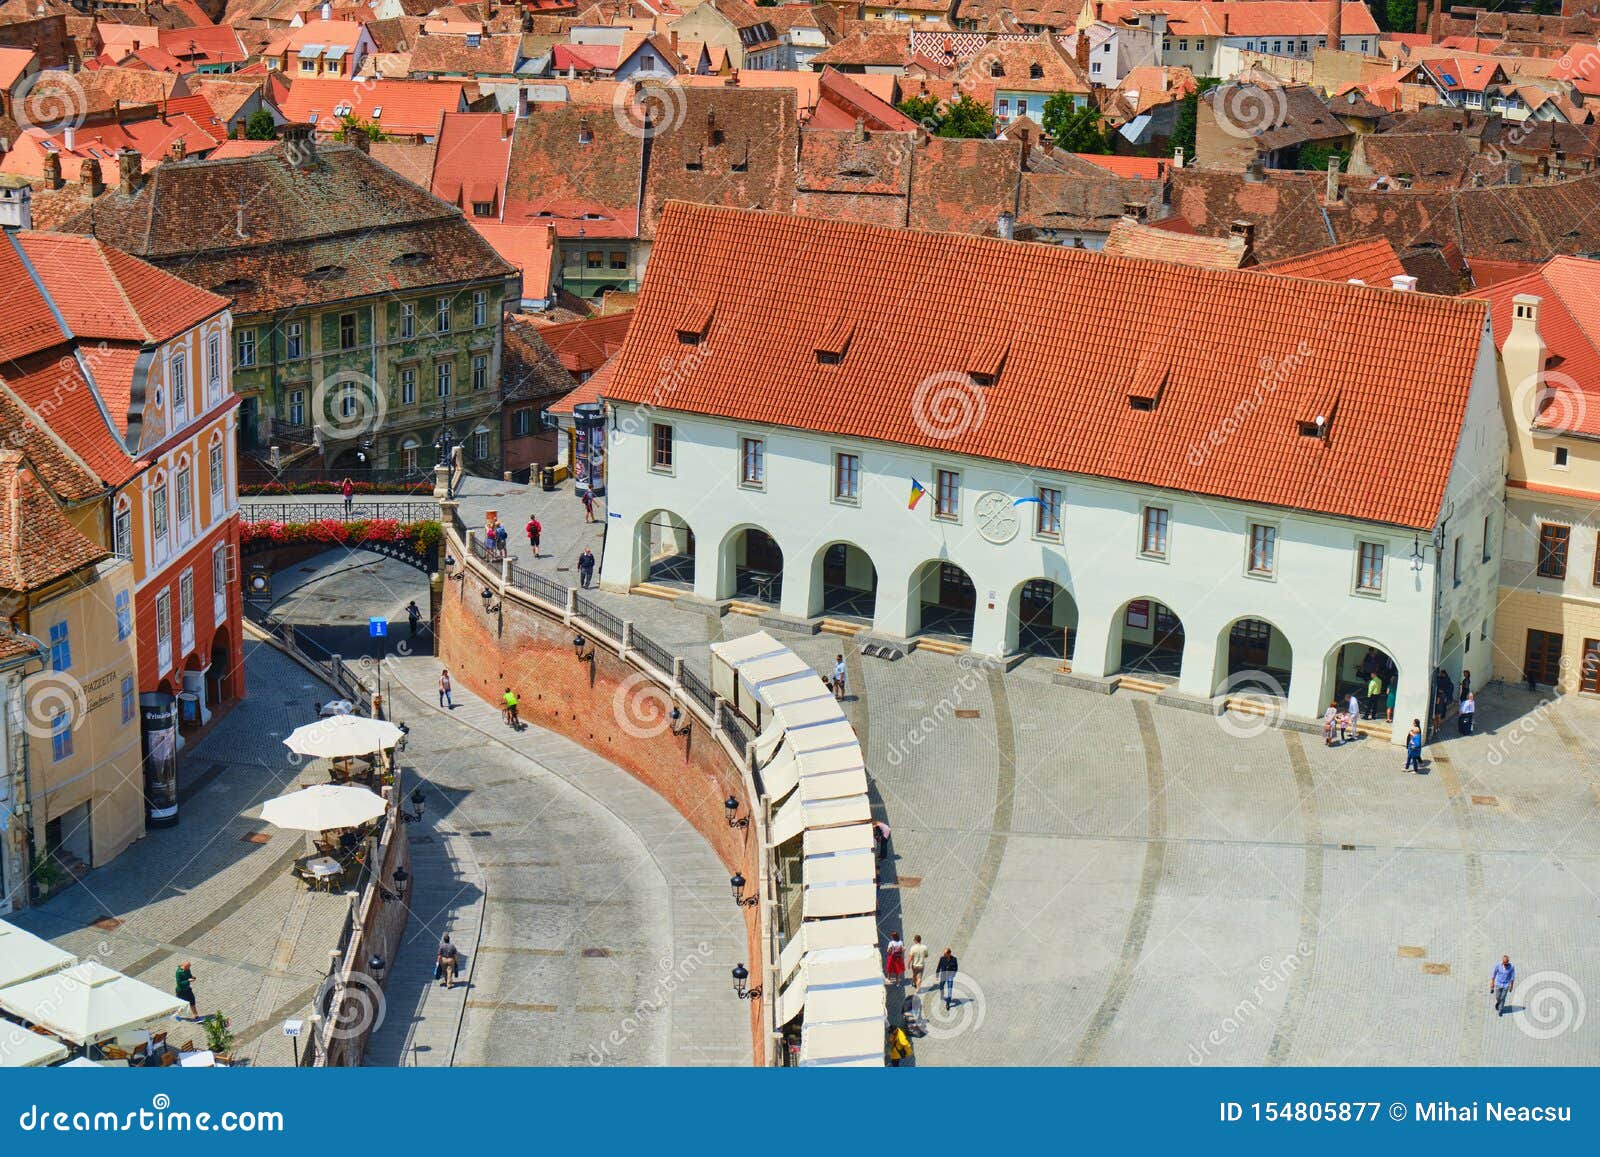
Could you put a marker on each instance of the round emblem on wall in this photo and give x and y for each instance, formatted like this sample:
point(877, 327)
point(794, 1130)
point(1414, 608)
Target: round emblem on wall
point(997, 518)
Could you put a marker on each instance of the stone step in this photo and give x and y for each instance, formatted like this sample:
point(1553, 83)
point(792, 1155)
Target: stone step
point(656, 591)
point(1137, 683)
point(1242, 705)
point(739, 607)
point(840, 627)
point(940, 646)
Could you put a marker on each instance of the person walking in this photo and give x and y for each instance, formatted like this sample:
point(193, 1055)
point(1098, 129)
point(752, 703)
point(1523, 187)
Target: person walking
point(511, 709)
point(1330, 722)
point(586, 568)
point(1469, 713)
point(1374, 695)
point(446, 961)
point(1466, 685)
point(444, 689)
point(1353, 709)
point(894, 959)
point(1501, 982)
point(183, 987)
point(413, 617)
point(348, 489)
point(838, 677)
point(534, 532)
point(1388, 701)
point(945, 973)
point(911, 1014)
point(899, 1046)
point(500, 540)
point(588, 502)
point(1414, 747)
point(917, 957)
point(880, 837)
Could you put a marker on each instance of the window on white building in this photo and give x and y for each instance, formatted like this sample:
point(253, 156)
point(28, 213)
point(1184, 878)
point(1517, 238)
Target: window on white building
point(947, 494)
point(60, 737)
point(1369, 572)
point(180, 389)
point(1153, 535)
point(213, 367)
point(752, 462)
point(1047, 521)
point(846, 478)
point(661, 447)
point(1263, 548)
point(60, 647)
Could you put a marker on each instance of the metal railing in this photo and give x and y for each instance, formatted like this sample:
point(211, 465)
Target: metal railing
point(251, 510)
point(597, 616)
point(547, 589)
point(698, 690)
point(734, 729)
point(652, 652)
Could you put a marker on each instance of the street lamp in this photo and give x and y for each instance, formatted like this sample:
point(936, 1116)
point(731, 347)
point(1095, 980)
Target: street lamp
point(731, 806)
point(674, 717)
point(582, 649)
point(740, 975)
point(736, 882)
point(442, 447)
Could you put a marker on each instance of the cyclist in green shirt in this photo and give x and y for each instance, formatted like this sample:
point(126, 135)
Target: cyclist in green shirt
point(511, 709)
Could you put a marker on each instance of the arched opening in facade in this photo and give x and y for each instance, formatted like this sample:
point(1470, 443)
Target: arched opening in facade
point(664, 551)
point(1041, 619)
point(1351, 668)
point(219, 674)
point(751, 567)
point(945, 599)
point(1146, 639)
point(1253, 656)
point(844, 583)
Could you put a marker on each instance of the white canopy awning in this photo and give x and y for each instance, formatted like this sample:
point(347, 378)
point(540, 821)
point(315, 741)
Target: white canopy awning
point(834, 785)
point(830, 760)
point(343, 735)
point(788, 821)
point(840, 898)
point(816, 934)
point(780, 776)
point(831, 813)
point(809, 712)
point(822, 737)
point(87, 1002)
point(22, 1049)
point(323, 806)
point(851, 1042)
point(24, 955)
point(827, 969)
point(847, 839)
point(777, 695)
point(767, 743)
point(846, 1000)
point(836, 866)
point(755, 645)
point(783, 667)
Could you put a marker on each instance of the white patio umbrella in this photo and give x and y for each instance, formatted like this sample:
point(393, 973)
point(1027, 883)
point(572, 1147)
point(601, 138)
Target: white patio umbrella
point(21, 1049)
point(88, 1002)
point(24, 955)
point(342, 735)
point(323, 806)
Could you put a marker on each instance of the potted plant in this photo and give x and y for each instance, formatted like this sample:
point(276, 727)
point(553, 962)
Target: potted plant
point(219, 1037)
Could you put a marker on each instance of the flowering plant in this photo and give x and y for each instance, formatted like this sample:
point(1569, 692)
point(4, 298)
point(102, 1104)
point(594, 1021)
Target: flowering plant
point(420, 536)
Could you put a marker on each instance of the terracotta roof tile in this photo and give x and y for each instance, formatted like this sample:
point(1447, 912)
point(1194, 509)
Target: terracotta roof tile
point(38, 545)
point(1131, 239)
point(576, 167)
point(1569, 323)
point(728, 147)
point(1400, 364)
point(1370, 262)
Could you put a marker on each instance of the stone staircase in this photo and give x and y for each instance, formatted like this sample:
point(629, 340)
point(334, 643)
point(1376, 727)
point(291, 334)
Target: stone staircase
point(656, 591)
point(840, 627)
point(940, 646)
point(740, 607)
point(1127, 682)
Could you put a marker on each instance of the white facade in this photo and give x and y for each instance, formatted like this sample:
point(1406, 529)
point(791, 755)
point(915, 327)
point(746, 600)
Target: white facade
point(1421, 617)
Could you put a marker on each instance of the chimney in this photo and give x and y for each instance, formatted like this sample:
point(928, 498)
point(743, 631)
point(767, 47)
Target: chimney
point(52, 171)
point(1331, 192)
point(1255, 172)
point(69, 138)
point(16, 207)
point(327, 10)
point(674, 42)
point(1082, 52)
point(1514, 173)
point(1244, 231)
point(1523, 352)
point(1403, 282)
point(240, 229)
point(300, 146)
point(1336, 24)
point(116, 111)
point(505, 125)
point(356, 136)
point(179, 149)
point(89, 177)
point(861, 129)
point(130, 172)
point(1134, 210)
point(1005, 226)
point(1177, 157)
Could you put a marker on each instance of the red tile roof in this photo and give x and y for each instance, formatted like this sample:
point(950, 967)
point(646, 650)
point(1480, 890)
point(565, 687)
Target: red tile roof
point(38, 545)
point(1147, 168)
point(584, 346)
point(1397, 367)
point(469, 165)
point(1371, 262)
point(404, 107)
point(1569, 323)
point(1132, 239)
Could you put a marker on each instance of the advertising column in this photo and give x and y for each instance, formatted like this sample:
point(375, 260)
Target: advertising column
point(158, 732)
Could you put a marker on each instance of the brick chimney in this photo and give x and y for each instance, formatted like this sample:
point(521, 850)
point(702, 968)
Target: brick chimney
point(1331, 192)
point(89, 177)
point(300, 146)
point(1245, 233)
point(861, 130)
point(1336, 24)
point(52, 171)
point(130, 172)
point(356, 137)
point(1082, 52)
point(179, 149)
point(1134, 211)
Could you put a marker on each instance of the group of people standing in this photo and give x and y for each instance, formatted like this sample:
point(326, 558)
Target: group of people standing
point(899, 961)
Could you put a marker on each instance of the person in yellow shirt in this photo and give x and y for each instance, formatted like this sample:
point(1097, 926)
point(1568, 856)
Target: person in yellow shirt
point(899, 1045)
point(511, 710)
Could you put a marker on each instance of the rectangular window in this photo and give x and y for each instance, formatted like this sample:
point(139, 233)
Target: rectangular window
point(480, 372)
point(294, 340)
point(1153, 540)
point(60, 647)
point(1183, 46)
point(593, 259)
point(347, 331)
point(245, 344)
point(847, 477)
point(619, 259)
point(213, 363)
point(441, 315)
point(522, 423)
point(408, 458)
point(1455, 564)
point(127, 698)
point(218, 474)
point(163, 630)
point(1487, 551)
point(752, 462)
point(441, 380)
point(660, 446)
point(124, 615)
point(297, 407)
point(158, 511)
point(61, 737)
point(124, 534)
point(408, 387)
point(1553, 550)
point(1263, 548)
point(186, 609)
point(180, 388)
point(408, 320)
point(480, 307)
point(185, 505)
point(947, 494)
point(480, 445)
point(219, 583)
point(1369, 573)
point(1047, 520)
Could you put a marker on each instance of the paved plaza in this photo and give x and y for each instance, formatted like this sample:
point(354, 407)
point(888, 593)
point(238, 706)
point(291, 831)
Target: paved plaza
point(1128, 883)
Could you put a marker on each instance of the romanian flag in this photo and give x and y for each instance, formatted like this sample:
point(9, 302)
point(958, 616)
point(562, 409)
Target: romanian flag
point(917, 491)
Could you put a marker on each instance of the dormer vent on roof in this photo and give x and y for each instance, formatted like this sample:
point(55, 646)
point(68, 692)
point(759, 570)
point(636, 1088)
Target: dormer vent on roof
point(1318, 423)
point(694, 322)
point(986, 359)
point(833, 341)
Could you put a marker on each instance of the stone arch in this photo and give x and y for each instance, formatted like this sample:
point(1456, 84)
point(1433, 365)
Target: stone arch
point(663, 550)
point(1252, 654)
point(1146, 638)
point(1041, 618)
point(844, 582)
point(750, 565)
point(943, 600)
point(1342, 667)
